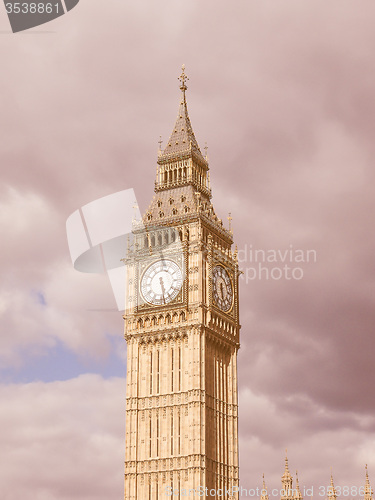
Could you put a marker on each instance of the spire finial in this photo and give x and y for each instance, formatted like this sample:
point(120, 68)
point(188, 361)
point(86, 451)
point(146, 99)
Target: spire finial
point(183, 79)
point(264, 493)
point(368, 489)
point(298, 494)
point(286, 460)
point(331, 477)
point(160, 142)
point(135, 211)
point(230, 218)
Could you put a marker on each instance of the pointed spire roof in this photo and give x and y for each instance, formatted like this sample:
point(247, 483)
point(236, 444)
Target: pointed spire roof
point(182, 142)
point(264, 492)
point(287, 481)
point(332, 495)
point(298, 494)
point(286, 474)
point(368, 489)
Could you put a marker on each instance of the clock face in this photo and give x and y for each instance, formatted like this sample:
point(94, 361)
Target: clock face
point(222, 288)
point(161, 282)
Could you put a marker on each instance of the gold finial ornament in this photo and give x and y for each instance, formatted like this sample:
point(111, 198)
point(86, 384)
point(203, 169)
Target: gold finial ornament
point(286, 460)
point(264, 492)
point(287, 481)
point(230, 218)
point(297, 494)
point(332, 494)
point(368, 489)
point(135, 211)
point(183, 79)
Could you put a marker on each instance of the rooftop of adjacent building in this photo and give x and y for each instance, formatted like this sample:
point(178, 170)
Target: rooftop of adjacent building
point(288, 492)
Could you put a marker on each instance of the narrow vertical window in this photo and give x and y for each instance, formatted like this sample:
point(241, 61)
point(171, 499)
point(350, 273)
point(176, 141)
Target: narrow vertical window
point(179, 368)
point(172, 363)
point(172, 433)
point(225, 389)
point(150, 440)
point(151, 372)
point(179, 434)
point(157, 436)
point(158, 376)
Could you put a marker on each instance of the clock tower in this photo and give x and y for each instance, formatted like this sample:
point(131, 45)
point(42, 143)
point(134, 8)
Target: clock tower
point(182, 332)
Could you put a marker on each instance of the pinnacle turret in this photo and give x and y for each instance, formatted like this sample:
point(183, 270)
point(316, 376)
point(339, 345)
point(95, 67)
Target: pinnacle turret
point(368, 489)
point(297, 493)
point(287, 481)
point(264, 492)
point(332, 495)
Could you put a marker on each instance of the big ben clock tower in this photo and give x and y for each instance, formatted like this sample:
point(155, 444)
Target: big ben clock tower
point(182, 331)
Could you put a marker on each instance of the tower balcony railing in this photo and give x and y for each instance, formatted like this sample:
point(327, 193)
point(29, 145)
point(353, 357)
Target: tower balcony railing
point(183, 181)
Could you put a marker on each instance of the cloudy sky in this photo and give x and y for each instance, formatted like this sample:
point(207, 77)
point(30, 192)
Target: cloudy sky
point(283, 93)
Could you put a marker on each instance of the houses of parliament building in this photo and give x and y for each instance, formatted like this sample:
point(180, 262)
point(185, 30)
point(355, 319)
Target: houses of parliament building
point(182, 331)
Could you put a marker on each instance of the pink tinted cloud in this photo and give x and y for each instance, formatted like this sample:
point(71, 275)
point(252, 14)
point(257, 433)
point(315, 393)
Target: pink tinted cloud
point(63, 440)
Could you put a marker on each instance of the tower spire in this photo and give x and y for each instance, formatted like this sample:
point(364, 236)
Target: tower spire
point(297, 494)
point(332, 495)
point(286, 461)
point(181, 162)
point(183, 79)
point(264, 492)
point(368, 489)
point(287, 481)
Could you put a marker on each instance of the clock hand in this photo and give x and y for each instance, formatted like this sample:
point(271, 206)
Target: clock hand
point(162, 288)
point(222, 289)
